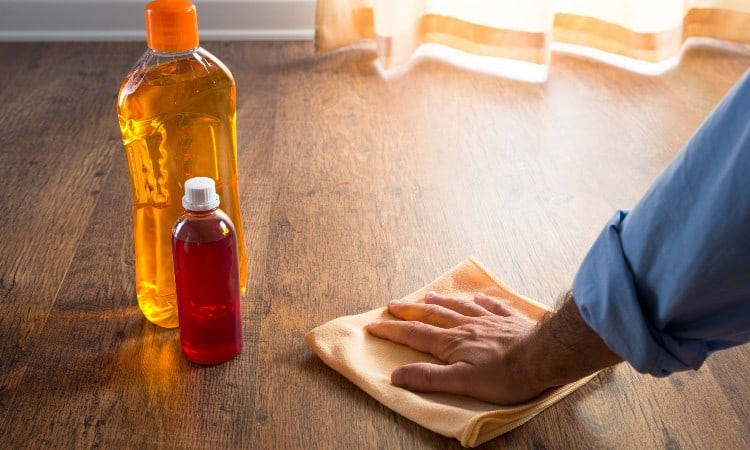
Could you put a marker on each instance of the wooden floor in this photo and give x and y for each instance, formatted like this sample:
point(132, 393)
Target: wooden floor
point(355, 190)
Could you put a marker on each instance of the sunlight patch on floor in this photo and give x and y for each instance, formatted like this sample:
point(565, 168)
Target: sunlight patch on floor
point(538, 73)
point(502, 67)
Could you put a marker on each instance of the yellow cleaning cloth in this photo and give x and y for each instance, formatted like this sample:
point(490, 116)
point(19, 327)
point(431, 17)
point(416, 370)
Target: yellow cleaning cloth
point(344, 345)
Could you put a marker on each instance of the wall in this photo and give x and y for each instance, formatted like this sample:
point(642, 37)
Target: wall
point(116, 20)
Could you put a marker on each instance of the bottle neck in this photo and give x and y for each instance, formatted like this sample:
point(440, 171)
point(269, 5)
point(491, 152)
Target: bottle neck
point(205, 213)
point(175, 54)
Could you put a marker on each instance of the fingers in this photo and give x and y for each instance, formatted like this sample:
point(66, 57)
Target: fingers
point(417, 335)
point(432, 314)
point(426, 377)
point(493, 305)
point(482, 305)
point(446, 312)
point(466, 308)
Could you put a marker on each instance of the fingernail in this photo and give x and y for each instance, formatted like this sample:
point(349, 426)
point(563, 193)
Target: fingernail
point(394, 302)
point(431, 294)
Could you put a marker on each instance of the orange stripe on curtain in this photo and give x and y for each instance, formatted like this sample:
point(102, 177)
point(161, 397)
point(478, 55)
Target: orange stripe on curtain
point(612, 38)
point(341, 23)
point(335, 31)
point(652, 47)
point(465, 36)
point(455, 33)
point(717, 23)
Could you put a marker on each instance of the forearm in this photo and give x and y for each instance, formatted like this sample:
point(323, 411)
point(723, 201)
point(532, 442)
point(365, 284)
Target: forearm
point(562, 348)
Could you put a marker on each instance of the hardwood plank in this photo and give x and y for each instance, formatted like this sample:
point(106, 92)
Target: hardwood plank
point(355, 190)
point(346, 142)
point(24, 57)
point(702, 60)
point(729, 368)
point(56, 151)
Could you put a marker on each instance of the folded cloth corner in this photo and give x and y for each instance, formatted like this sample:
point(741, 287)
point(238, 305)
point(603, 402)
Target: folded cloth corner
point(344, 345)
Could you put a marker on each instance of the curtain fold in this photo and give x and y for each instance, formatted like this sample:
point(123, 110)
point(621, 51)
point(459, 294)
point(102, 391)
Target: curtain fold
point(647, 30)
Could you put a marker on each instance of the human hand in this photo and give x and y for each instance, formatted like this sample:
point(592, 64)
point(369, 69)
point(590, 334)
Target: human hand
point(478, 340)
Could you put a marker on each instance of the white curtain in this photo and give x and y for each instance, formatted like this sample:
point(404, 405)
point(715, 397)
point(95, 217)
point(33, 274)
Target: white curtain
point(647, 30)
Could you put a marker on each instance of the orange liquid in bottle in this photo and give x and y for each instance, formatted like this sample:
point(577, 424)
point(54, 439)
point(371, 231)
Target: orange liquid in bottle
point(177, 121)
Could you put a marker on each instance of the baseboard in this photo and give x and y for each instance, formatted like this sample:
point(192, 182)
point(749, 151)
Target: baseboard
point(122, 20)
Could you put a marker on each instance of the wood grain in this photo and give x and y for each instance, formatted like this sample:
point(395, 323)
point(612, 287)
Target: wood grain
point(355, 190)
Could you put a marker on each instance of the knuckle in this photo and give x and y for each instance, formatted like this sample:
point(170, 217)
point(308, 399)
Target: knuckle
point(420, 378)
point(431, 310)
point(413, 330)
point(427, 376)
point(447, 344)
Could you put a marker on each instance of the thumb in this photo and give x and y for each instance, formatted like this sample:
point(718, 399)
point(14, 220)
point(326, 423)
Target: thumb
point(426, 377)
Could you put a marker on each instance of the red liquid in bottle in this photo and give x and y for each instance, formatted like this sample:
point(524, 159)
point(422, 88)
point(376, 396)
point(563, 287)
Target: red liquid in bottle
point(204, 247)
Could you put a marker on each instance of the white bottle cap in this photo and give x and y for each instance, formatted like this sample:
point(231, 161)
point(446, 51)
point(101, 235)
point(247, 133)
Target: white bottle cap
point(200, 194)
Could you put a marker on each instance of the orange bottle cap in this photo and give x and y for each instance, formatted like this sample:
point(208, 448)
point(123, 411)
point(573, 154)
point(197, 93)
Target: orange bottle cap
point(171, 25)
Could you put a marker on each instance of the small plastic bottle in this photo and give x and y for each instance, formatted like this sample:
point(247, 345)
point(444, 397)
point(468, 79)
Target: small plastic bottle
point(177, 115)
point(206, 270)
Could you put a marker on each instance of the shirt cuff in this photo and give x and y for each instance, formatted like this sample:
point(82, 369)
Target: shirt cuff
point(605, 293)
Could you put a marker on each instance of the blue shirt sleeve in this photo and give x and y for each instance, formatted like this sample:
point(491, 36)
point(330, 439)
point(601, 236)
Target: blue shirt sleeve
point(668, 282)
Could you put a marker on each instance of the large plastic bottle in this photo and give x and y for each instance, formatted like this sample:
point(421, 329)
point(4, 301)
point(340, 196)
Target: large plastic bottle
point(176, 109)
point(206, 269)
